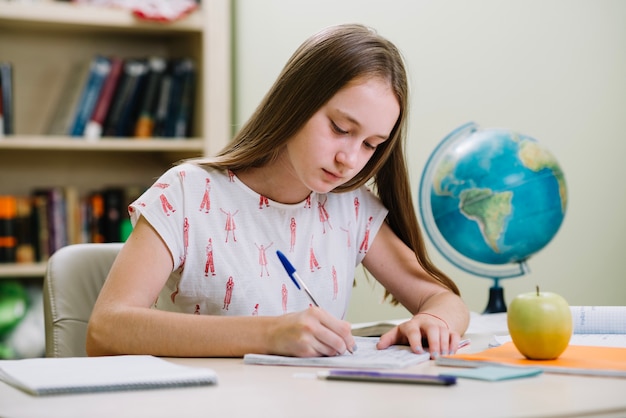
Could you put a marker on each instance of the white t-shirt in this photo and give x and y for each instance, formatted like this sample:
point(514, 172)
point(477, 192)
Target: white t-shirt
point(223, 238)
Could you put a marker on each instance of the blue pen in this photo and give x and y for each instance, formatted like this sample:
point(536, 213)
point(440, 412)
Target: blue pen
point(291, 271)
point(295, 278)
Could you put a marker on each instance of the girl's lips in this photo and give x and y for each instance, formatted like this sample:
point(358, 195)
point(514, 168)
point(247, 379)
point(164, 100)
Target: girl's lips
point(332, 175)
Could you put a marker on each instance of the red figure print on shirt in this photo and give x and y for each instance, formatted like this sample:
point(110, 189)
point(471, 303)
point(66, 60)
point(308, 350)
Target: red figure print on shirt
point(292, 234)
point(230, 226)
point(365, 243)
point(186, 234)
point(347, 231)
point(161, 185)
point(263, 202)
point(356, 208)
point(285, 293)
point(263, 258)
point(182, 174)
point(335, 284)
point(206, 197)
point(307, 202)
point(210, 264)
point(185, 243)
point(229, 292)
point(313, 264)
point(324, 217)
point(168, 209)
point(255, 312)
point(231, 176)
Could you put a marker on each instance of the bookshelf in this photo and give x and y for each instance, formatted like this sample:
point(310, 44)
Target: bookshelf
point(45, 39)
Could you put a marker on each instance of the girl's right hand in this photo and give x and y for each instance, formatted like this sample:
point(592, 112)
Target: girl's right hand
point(311, 333)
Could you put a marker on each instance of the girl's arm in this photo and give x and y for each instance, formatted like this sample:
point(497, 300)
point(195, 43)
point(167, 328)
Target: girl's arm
point(439, 315)
point(123, 322)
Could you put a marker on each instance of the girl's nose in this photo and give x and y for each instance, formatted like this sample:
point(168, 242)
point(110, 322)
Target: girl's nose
point(348, 154)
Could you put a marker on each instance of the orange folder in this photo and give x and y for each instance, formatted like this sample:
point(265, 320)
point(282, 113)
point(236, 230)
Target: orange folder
point(576, 359)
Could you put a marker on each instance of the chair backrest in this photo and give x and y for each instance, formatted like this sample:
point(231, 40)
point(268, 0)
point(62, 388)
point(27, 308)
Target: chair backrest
point(74, 276)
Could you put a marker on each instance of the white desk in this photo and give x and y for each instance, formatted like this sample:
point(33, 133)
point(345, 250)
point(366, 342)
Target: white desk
point(274, 391)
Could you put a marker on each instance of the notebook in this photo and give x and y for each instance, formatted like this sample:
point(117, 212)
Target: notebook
point(576, 359)
point(367, 356)
point(48, 376)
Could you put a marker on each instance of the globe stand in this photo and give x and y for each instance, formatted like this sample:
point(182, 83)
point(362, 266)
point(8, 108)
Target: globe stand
point(496, 302)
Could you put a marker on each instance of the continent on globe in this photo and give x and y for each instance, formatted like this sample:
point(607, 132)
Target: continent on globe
point(489, 209)
point(536, 158)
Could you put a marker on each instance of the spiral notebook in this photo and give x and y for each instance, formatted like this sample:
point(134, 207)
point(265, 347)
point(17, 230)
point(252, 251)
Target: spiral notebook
point(49, 376)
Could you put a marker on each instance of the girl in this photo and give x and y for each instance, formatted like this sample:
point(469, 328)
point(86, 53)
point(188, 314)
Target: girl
point(294, 180)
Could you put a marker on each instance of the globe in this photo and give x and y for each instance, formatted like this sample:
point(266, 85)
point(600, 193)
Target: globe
point(489, 200)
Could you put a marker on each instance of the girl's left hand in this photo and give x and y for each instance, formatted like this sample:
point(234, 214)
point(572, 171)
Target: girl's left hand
point(422, 331)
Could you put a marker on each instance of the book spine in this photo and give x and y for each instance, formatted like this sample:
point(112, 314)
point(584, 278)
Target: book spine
point(144, 127)
point(8, 239)
point(163, 102)
point(100, 68)
point(182, 120)
point(123, 114)
point(94, 127)
point(6, 83)
point(55, 218)
point(112, 218)
point(40, 226)
point(72, 214)
point(180, 72)
point(1, 113)
point(96, 217)
point(25, 246)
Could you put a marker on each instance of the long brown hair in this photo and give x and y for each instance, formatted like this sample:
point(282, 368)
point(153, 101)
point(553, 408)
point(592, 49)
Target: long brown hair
point(324, 64)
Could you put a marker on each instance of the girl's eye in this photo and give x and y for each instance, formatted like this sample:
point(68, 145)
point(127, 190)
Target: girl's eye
point(337, 129)
point(369, 146)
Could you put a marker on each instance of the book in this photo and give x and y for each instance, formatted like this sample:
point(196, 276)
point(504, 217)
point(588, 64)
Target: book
point(178, 118)
point(1, 114)
point(576, 359)
point(25, 246)
point(98, 72)
point(175, 105)
point(144, 127)
point(182, 100)
point(94, 127)
point(55, 217)
point(73, 222)
point(49, 376)
point(367, 356)
point(95, 216)
point(114, 208)
point(123, 113)
point(40, 227)
point(8, 239)
point(163, 102)
point(6, 97)
point(61, 120)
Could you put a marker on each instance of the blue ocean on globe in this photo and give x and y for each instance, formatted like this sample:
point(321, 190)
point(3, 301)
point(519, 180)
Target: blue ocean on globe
point(496, 196)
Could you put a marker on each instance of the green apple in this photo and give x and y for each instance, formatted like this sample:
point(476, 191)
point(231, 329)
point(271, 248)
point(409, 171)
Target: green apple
point(540, 324)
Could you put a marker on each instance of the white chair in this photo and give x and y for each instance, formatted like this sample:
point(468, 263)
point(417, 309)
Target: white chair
point(74, 276)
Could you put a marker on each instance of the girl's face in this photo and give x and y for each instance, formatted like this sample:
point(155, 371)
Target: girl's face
point(340, 138)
